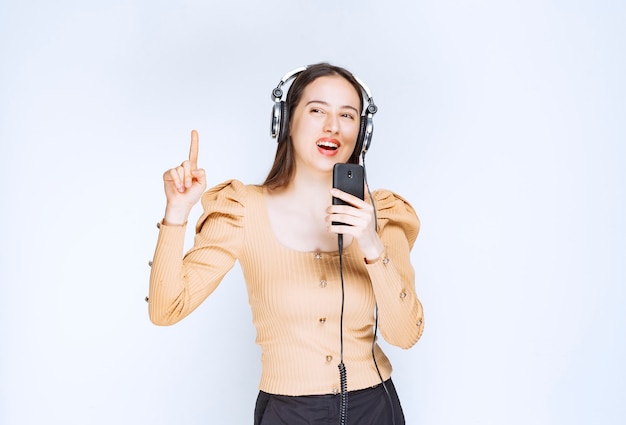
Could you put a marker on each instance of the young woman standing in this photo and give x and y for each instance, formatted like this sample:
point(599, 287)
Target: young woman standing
point(312, 308)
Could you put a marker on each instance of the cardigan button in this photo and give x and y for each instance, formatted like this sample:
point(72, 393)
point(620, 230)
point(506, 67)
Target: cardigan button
point(329, 359)
point(323, 283)
point(322, 320)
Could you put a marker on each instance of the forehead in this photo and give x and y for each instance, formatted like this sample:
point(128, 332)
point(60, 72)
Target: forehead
point(334, 90)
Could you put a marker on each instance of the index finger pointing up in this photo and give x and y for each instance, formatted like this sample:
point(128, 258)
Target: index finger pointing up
point(193, 150)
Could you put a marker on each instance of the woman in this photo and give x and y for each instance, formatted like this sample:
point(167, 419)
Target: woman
point(283, 235)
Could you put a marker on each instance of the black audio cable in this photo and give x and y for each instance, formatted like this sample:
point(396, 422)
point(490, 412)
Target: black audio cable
point(343, 378)
point(393, 416)
point(343, 407)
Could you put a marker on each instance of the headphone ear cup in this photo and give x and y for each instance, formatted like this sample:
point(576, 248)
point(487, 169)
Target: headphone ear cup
point(362, 134)
point(362, 128)
point(367, 128)
point(284, 122)
point(275, 124)
point(358, 147)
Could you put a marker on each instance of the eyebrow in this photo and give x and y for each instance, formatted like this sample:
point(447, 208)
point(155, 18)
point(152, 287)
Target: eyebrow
point(327, 104)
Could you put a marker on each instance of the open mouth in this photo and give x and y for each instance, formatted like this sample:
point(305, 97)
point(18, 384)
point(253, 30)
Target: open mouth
point(328, 145)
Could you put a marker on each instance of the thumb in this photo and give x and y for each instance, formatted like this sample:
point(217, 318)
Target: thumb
point(199, 175)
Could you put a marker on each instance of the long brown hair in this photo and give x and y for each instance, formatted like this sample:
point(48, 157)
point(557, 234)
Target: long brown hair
point(284, 165)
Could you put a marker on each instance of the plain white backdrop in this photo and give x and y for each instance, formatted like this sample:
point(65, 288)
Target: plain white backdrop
point(503, 122)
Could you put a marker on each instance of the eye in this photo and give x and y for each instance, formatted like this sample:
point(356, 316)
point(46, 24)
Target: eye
point(316, 110)
point(347, 115)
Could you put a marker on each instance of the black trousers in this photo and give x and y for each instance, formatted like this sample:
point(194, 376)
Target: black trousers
point(370, 406)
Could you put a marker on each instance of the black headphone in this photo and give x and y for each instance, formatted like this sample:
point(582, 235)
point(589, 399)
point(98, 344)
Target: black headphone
point(280, 113)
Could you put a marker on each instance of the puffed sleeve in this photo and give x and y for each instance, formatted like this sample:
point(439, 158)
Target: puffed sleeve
point(179, 284)
point(401, 317)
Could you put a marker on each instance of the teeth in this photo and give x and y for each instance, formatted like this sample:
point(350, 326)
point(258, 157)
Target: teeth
point(327, 144)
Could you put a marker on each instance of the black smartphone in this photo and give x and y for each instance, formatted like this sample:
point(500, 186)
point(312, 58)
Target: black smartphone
point(348, 178)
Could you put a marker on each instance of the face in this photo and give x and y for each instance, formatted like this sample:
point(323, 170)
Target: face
point(325, 123)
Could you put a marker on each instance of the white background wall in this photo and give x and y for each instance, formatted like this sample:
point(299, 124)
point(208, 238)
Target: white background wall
point(501, 121)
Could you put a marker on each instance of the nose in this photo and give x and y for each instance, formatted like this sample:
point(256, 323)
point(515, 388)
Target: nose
point(331, 124)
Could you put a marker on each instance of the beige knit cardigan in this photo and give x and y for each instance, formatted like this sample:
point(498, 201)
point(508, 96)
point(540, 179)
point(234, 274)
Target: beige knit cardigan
point(295, 296)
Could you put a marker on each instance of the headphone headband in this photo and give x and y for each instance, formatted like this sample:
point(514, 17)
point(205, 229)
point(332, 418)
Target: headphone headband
point(277, 93)
point(280, 111)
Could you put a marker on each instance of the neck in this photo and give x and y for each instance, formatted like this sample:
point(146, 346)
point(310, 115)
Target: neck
point(312, 181)
point(310, 189)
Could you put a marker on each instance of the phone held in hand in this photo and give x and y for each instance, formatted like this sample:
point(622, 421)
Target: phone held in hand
point(348, 178)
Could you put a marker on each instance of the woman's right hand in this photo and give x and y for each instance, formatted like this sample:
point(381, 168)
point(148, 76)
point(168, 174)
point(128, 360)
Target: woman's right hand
point(184, 185)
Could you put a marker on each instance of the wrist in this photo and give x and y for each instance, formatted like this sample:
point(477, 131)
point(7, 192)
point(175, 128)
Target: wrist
point(166, 222)
point(373, 260)
point(175, 216)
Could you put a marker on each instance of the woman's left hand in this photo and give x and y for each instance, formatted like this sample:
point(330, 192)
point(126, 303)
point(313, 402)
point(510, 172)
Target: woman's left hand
point(357, 220)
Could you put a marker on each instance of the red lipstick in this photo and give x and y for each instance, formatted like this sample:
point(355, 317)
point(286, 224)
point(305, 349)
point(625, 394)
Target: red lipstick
point(328, 146)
